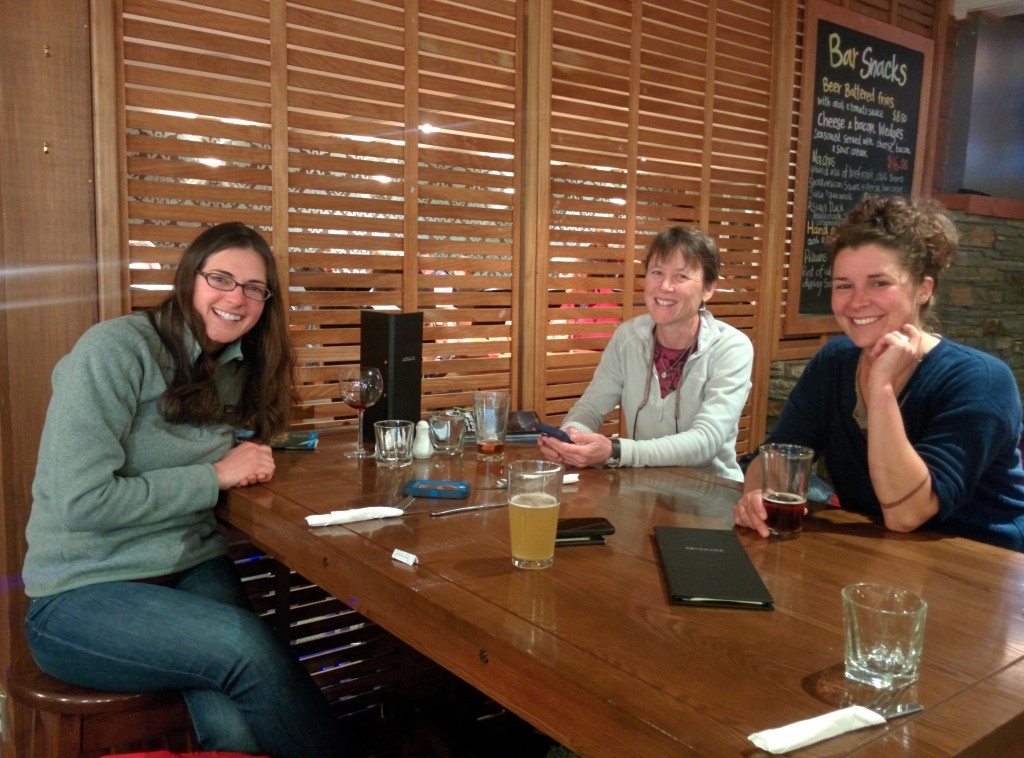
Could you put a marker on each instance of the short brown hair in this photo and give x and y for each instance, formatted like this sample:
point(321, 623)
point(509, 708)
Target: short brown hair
point(694, 245)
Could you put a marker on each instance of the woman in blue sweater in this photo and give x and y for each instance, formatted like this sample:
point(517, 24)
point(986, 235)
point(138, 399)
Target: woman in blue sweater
point(129, 581)
point(914, 428)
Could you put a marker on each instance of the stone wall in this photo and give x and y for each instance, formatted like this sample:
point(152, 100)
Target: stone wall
point(981, 296)
point(980, 300)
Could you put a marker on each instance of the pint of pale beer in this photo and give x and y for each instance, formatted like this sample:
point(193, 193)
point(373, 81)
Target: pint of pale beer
point(534, 493)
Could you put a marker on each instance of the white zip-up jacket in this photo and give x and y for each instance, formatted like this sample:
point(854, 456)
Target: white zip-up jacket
point(713, 390)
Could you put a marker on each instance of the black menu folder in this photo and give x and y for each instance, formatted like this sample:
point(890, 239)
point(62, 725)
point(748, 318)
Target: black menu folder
point(709, 567)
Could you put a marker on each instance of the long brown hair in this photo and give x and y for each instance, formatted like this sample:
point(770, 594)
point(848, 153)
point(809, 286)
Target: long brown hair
point(191, 396)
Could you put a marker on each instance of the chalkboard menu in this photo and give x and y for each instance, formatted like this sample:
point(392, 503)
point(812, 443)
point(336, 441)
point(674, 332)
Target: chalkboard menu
point(865, 92)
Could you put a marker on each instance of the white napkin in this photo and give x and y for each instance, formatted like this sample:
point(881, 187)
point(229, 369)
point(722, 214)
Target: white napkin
point(353, 514)
point(803, 733)
point(570, 478)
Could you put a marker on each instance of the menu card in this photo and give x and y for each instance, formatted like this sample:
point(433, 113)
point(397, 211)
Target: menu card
point(709, 567)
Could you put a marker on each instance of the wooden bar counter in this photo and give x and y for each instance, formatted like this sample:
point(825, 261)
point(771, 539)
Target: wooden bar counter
point(592, 653)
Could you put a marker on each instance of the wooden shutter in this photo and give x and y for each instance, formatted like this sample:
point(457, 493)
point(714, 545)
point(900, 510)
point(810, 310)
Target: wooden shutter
point(635, 147)
point(399, 181)
point(197, 129)
point(416, 155)
point(468, 77)
point(401, 150)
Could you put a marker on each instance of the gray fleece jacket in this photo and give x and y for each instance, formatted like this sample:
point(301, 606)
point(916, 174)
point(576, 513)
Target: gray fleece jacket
point(119, 493)
point(710, 398)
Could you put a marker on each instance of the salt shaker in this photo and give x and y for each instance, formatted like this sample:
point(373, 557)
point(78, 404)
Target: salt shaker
point(421, 446)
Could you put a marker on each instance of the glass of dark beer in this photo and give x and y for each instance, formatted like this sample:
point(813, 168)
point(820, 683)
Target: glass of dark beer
point(785, 471)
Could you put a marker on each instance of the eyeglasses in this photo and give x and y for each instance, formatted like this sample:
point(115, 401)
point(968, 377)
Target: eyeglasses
point(225, 283)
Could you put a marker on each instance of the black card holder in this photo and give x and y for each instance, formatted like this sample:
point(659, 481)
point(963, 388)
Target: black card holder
point(709, 567)
point(587, 530)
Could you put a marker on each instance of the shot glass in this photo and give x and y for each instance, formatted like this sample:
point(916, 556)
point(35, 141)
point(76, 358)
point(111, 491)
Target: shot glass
point(394, 443)
point(785, 471)
point(534, 494)
point(447, 432)
point(884, 634)
point(490, 407)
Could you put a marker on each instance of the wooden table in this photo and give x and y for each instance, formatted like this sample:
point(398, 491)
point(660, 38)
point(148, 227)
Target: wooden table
point(592, 653)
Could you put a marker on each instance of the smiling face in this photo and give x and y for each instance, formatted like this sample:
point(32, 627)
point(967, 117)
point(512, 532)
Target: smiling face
point(227, 316)
point(674, 291)
point(872, 294)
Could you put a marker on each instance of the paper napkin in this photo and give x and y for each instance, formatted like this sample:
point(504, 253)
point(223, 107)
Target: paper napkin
point(353, 514)
point(802, 733)
point(570, 478)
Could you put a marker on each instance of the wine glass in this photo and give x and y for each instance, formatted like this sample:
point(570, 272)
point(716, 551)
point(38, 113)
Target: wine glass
point(361, 387)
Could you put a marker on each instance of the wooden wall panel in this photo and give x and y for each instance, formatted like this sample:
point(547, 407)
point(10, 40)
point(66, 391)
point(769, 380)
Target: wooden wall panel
point(48, 272)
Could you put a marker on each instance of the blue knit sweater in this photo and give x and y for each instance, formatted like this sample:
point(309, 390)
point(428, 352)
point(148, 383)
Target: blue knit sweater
point(962, 413)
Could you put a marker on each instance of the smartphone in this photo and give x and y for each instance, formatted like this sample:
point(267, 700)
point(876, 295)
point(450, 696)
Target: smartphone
point(522, 422)
point(552, 431)
point(436, 488)
point(588, 530)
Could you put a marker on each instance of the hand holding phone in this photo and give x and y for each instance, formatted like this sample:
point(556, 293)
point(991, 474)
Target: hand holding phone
point(552, 431)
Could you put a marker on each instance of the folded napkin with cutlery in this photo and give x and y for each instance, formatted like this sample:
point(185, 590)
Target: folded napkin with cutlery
point(807, 732)
point(353, 514)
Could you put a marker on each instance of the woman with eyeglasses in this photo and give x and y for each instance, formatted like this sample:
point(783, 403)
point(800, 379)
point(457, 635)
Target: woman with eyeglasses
point(129, 581)
point(681, 376)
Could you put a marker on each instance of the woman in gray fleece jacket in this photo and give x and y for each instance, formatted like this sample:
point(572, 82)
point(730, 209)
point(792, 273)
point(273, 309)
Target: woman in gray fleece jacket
point(129, 581)
point(681, 377)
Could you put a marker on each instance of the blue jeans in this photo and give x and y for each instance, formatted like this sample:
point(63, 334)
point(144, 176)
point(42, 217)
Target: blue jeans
point(245, 690)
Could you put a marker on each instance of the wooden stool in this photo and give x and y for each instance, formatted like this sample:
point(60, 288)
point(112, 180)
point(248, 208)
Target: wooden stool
point(66, 721)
